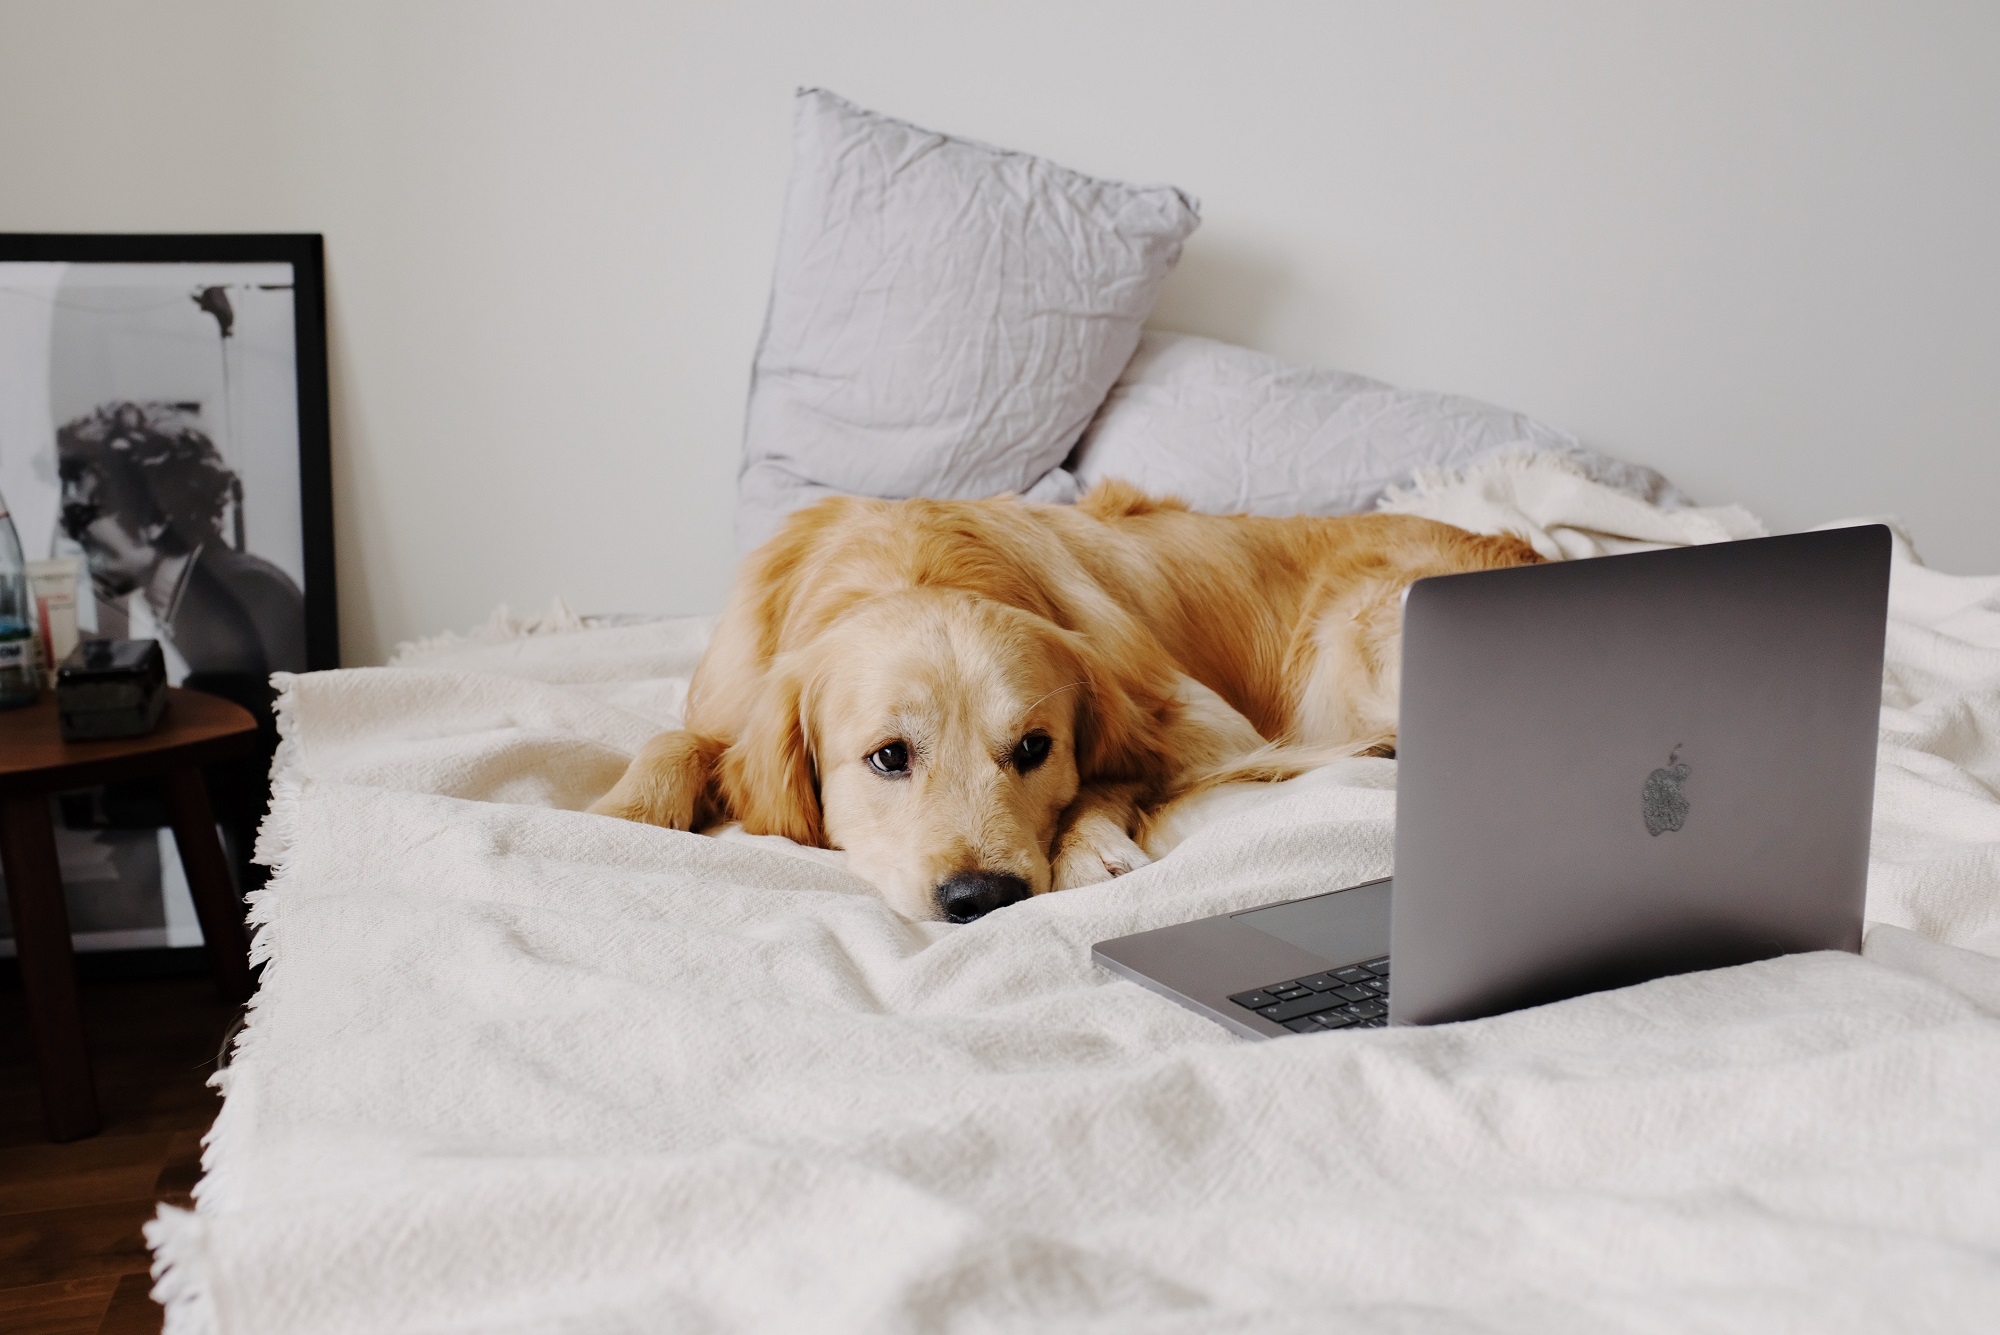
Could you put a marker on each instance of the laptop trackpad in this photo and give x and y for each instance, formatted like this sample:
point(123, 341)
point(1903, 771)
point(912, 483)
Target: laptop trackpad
point(1340, 927)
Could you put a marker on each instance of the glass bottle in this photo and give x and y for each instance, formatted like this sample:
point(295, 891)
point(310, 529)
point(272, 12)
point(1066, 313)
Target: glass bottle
point(19, 674)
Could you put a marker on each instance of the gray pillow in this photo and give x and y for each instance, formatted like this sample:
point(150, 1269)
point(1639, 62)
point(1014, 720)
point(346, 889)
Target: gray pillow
point(1230, 430)
point(945, 317)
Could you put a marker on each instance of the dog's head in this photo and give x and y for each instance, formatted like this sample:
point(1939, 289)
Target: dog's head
point(938, 737)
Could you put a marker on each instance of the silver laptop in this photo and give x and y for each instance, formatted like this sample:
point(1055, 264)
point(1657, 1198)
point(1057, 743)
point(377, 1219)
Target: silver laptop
point(1608, 771)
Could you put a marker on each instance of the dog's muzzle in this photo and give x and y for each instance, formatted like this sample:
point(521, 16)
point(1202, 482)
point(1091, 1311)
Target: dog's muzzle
point(968, 895)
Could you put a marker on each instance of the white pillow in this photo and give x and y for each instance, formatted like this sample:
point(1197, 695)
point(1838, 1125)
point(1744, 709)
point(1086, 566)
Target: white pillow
point(1232, 431)
point(945, 317)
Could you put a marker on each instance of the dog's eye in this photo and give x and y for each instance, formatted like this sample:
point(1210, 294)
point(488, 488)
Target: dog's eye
point(892, 760)
point(1031, 751)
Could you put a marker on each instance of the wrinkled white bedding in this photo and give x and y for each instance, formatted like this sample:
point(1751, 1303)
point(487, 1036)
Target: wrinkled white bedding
point(514, 1068)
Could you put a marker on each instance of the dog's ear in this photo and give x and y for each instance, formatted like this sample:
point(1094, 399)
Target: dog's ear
point(766, 774)
point(1125, 714)
point(1139, 720)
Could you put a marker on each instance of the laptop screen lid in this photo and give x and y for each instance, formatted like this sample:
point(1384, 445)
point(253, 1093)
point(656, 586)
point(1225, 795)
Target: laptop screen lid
point(1619, 768)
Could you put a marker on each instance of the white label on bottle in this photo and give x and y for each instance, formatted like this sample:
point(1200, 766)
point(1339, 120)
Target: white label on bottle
point(15, 653)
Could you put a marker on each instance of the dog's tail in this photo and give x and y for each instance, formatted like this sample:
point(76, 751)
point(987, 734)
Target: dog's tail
point(1278, 761)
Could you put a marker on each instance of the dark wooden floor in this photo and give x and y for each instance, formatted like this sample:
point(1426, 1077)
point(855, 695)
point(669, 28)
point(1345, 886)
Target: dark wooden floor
point(71, 1256)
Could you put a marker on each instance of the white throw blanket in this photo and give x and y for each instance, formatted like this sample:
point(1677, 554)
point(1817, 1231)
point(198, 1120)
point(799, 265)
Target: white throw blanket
point(517, 1068)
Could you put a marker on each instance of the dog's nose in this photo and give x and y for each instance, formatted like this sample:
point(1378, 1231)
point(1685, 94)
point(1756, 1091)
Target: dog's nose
point(974, 894)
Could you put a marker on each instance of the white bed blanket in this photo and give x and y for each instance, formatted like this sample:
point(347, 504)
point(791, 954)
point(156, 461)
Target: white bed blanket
point(517, 1068)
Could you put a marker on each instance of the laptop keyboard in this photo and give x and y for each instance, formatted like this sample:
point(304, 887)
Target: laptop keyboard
point(1355, 997)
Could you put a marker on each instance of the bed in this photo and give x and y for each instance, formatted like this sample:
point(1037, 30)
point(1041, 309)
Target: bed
point(514, 1067)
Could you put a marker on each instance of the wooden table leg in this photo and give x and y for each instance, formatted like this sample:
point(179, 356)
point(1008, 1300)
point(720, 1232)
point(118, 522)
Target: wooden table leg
point(215, 900)
point(48, 966)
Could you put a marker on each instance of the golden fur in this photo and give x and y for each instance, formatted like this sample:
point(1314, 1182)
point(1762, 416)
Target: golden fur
point(1154, 648)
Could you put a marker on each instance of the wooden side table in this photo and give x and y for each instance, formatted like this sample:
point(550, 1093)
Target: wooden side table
point(195, 730)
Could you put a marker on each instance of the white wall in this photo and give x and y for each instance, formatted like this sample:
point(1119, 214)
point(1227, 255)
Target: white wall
point(1753, 245)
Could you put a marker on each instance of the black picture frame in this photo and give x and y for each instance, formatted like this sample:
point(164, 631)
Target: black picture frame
point(305, 254)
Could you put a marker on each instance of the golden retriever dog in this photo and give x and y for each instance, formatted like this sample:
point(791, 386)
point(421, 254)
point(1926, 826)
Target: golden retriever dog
point(982, 700)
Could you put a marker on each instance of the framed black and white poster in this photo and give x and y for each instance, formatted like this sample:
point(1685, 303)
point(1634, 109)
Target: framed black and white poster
point(163, 427)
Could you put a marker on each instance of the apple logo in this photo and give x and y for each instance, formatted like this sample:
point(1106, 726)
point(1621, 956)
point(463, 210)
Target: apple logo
point(1663, 802)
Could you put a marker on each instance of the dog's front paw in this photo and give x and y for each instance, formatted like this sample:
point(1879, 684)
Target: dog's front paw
point(1095, 850)
point(665, 784)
